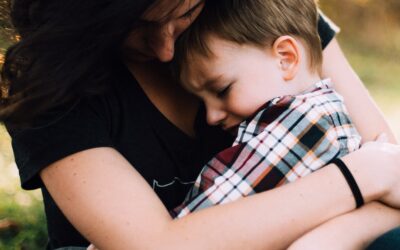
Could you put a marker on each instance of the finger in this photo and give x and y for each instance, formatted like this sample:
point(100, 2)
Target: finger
point(91, 247)
point(382, 138)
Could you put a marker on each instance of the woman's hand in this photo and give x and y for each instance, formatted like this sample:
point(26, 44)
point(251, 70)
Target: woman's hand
point(92, 247)
point(391, 159)
point(379, 163)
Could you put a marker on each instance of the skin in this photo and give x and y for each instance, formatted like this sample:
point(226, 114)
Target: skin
point(233, 90)
point(155, 38)
point(375, 219)
point(384, 218)
point(134, 218)
point(143, 60)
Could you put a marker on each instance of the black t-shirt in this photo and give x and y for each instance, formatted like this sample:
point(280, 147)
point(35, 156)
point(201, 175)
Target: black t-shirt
point(125, 119)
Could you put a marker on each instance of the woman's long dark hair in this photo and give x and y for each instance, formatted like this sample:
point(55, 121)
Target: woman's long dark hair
point(65, 51)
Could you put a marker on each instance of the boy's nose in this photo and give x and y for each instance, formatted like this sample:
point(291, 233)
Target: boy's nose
point(215, 116)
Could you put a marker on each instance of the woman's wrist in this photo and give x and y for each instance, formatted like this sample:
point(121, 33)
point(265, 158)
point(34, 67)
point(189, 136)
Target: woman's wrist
point(376, 170)
point(355, 189)
point(371, 188)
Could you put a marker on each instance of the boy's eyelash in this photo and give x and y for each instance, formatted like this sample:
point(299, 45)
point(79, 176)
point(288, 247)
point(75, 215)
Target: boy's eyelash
point(222, 93)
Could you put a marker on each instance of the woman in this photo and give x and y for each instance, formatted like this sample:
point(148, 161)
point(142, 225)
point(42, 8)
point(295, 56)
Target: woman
point(109, 125)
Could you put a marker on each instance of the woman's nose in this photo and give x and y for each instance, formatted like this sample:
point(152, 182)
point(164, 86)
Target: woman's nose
point(163, 46)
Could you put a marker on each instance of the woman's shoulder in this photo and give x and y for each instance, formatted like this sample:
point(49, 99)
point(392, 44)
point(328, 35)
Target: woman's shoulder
point(88, 123)
point(56, 134)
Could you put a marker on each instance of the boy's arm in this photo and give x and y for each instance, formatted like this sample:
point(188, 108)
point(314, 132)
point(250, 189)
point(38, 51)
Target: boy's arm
point(354, 230)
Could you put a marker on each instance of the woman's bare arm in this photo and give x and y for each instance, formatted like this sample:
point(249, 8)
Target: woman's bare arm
point(351, 231)
point(113, 207)
point(364, 112)
point(373, 219)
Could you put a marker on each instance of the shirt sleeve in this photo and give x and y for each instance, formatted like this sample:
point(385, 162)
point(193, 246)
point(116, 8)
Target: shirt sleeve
point(326, 29)
point(79, 128)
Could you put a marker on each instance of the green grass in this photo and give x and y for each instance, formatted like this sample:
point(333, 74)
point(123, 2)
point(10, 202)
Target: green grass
point(24, 212)
point(21, 209)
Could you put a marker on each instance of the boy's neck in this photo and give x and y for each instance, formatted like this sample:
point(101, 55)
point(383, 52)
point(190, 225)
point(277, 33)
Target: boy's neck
point(303, 80)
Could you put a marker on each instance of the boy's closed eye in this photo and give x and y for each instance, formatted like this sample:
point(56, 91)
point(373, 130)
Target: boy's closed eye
point(223, 92)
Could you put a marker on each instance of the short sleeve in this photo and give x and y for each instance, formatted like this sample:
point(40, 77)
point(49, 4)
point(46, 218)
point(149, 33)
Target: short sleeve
point(82, 127)
point(326, 29)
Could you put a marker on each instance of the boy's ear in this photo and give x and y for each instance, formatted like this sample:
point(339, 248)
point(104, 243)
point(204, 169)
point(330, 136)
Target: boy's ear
point(288, 53)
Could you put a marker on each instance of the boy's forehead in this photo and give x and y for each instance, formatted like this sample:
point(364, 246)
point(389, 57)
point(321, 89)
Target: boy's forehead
point(217, 44)
point(197, 71)
point(203, 70)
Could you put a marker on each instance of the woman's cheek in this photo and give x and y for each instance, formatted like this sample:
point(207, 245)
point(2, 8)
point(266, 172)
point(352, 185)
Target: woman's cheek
point(237, 105)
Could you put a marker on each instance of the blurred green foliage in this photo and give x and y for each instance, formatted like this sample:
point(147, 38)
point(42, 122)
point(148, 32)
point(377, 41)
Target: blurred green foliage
point(370, 38)
point(6, 32)
point(23, 224)
point(22, 220)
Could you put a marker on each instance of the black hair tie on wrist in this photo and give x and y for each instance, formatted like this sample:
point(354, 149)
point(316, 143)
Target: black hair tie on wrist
point(350, 180)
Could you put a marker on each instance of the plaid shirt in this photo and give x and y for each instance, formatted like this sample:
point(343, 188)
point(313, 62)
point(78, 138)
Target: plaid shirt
point(288, 138)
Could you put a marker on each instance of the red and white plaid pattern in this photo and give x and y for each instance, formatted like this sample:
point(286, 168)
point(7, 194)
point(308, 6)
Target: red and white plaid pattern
point(288, 138)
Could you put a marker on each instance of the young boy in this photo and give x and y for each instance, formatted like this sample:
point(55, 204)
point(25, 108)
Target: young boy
point(256, 65)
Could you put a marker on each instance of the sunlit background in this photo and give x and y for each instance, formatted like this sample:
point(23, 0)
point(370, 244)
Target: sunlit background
point(370, 37)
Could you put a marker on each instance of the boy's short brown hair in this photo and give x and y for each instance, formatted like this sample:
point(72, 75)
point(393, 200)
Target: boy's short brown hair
point(257, 22)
